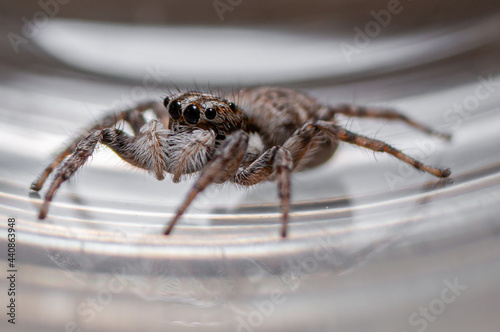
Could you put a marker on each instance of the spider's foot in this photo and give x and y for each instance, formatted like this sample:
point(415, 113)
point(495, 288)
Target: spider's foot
point(42, 215)
point(445, 173)
point(171, 225)
point(35, 186)
point(284, 225)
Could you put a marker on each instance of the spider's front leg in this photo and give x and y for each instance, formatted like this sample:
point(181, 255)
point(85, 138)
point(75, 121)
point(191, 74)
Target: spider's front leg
point(146, 151)
point(83, 149)
point(133, 116)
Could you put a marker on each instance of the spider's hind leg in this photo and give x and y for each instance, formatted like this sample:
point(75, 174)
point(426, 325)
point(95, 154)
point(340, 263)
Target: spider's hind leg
point(338, 133)
point(381, 113)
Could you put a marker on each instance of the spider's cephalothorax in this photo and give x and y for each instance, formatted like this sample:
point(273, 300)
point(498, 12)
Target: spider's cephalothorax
point(205, 111)
point(267, 134)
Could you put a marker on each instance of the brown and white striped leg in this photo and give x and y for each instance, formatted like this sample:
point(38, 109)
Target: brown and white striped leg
point(284, 165)
point(221, 167)
point(381, 113)
point(339, 133)
point(279, 161)
point(123, 145)
point(84, 149)
point(133, 116)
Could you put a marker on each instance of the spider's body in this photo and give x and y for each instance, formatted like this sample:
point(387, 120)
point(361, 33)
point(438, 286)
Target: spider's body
point(276, 113)
point(269, 133)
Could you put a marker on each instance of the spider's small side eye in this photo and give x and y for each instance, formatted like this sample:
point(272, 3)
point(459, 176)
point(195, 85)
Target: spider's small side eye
point(210, 113)
point(232, 106)
point(175, 110)
point(166, 101)
point(192, 114)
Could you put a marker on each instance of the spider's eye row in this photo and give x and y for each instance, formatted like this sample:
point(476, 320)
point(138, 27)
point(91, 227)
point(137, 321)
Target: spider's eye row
point(166, 101)
point(210, 113)
point(232, 106)
point(175, 110)
point(192, 114)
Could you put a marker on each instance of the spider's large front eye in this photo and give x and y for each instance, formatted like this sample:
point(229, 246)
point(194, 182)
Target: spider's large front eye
point(210, 113)
point(192, 114)
point(175, 110)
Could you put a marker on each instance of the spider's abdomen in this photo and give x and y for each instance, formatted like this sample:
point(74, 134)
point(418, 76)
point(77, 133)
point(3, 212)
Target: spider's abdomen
point(275, 113)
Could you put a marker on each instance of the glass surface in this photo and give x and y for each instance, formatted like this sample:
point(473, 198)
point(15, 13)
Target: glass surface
point(373, 244)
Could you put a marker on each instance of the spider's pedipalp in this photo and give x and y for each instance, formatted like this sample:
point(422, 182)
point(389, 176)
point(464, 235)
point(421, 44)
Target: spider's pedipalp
point(222, 166)
point(189, 151)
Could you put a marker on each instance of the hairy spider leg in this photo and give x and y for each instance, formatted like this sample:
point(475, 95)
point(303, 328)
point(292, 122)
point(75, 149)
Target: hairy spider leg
point(284, 166)
point(276, 159)
point(132, 116)
point(281, 160)
point(125, 146)
point(339, 133)
point(380, 113)
point(78, 157)
point(226, 165)
point(223, 165)
point(284, 159)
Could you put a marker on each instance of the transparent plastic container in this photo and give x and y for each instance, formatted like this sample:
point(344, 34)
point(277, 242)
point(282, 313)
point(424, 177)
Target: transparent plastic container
point(373, 245)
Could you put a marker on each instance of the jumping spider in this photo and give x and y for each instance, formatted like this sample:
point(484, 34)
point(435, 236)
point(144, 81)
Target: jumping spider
point(268, 135)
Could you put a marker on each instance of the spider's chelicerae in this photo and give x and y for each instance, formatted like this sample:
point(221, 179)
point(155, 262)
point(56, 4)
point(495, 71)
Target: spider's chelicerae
point(267, 135)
